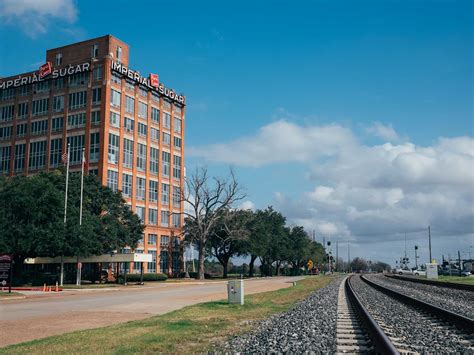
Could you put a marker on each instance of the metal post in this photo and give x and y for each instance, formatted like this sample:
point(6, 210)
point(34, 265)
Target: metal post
point(141, 273)
point(79, 265)
point(337, 256)
point(416, 257)
point(429, 238)
point(61, 277)
point(459, 260)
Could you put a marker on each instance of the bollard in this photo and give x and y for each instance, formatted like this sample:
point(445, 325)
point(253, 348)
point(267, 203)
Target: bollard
point(57, 288)
point(44, 287)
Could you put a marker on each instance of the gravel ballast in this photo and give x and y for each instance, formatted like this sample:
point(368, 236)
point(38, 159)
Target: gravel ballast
point(309, 326)
point(408, 328)
point(457, 301)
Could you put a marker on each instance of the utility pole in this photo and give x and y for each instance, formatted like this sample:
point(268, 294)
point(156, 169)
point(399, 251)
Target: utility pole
point(348, 257)
point(416, 257)
point(460, 266)
point(337, 256)
point(429, 239)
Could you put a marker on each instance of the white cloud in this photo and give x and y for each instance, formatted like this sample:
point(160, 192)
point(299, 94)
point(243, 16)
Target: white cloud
point(366, 194)
point(247, 205)
point(34, 16)
point(385, 132)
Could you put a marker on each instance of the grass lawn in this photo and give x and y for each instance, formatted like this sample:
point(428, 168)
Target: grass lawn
point(195, 328)
point(4, 294)
point(457, 279)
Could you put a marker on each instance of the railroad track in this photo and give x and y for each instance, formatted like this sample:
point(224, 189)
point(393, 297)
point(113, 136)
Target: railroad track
point(451, 285)
point(358, 331)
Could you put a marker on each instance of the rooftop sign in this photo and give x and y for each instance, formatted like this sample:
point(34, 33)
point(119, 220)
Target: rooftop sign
point(151, 83)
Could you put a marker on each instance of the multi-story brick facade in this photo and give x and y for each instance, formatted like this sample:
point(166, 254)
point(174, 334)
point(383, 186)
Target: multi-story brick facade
point(132, 129)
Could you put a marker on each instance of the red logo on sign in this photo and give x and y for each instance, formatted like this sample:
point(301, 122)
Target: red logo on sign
point(45, 70)
point(154, 80)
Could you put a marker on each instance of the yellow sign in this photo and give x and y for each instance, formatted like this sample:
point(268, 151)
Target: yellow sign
point(310, 264)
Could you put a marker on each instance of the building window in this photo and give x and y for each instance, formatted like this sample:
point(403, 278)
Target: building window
point(24, 90)
point(59, 58)
point(176, 167)
point(95, 51)
point(19, 157)
point(141, 157)
point(165, 164)
point(40, 107)
point(55, 152)
point(5, 159)
point(154, 134)
point(119, 53)
point(116, 78)
point(127, 153)
point(114, 144)
point(23, 110)
point(142, 129)
point(39, 127)
point(152, 217)
point(6, 113)
point(114, 98)
point(37, 155)
point(79, 79)
point(155, 97)
point(154, 161)
point(21, 130)
point(142, 110)
point(177, 110)
point(152, 265)
point(58, 103)
point(176, 196)
point(76, 120)
point(129, 85)
point(153, 191)
point(129, 124)
point(94, 147)
point(177, 142)
point(76, 146)
point(166, 138)
point(114, 119)
point(142, 91)
point(58, 83)
point(96, 96)
point(77, 99)
point(5, 132)
point(155, 115)
point(97, 73)
point(129, 104)
point(164, 260)
point(166, 120)
point(140, 211)
point(176, 220)
point(7, 94)
point(112, 180)
point(152, 237)
point(165, 194)
point(167, 105)
point(165, 218)
point(40, 87)
point(127, 185)
point(57, 124)
point(177, 125)
point(95, 117)
point(141, 188)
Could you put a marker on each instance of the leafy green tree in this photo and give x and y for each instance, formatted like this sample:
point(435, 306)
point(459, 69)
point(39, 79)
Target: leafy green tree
point(359, 264)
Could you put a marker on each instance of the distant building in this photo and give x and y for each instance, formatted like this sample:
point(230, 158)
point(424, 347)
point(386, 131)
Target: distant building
point(132, 128)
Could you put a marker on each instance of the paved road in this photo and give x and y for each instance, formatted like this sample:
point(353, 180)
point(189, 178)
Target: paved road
point(33, 318)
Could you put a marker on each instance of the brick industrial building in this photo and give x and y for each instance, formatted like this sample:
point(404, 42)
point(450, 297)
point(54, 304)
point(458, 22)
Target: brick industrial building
point(132, 128)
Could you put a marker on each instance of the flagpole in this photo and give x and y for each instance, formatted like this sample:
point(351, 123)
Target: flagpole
point(79, 267)
point(65, 212)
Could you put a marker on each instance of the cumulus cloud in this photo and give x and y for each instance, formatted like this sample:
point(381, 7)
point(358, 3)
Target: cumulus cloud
point(384, 132)
point(364, 193)
point(247, 205)
point(34, 16)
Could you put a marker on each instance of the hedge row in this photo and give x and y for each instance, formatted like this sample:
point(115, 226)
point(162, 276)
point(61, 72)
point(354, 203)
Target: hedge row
point(146, 277)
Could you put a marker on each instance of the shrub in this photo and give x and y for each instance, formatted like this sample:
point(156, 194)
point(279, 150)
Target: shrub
point(194, 275)
point(146, 277)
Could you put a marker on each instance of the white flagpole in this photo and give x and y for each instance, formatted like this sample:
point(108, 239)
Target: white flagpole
point(79, 267)
point(65, 212)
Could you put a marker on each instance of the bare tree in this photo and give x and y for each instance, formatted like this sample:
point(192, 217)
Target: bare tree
point(207, 198)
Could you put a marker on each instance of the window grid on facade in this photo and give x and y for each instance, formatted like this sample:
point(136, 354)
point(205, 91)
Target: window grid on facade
point(142, 110)
point(77, 99)
point(129, 104)
point(5, 159)
point(39, 127)
point(155, 115)
point(141, 157)
point(19, 157)
point(76, 146)
point(166, 138)
point(114, 98)
point(23, 110)
point(114, 119)
point(57, 124)
point(112, 180)
point(94, 147)
point(113, 152)
point(96, 96)
point(95, 117)
point(142, 128)
point(165, 218)
point(6, 113)
point(176, 167)
point(166, 120)
point(55, 152)
point(127, 185)
point(165, 194)
point(37, 155)
point(152, 216)
point(129, 124)
point(165, 164)
point(21, 129)
point(127, 153)
point(40, 107)
point(153, 191)
point(176, 196)
point(154, 161)
point(58, 103)
point(76, 120)
point(5, 132)
point(140, 189)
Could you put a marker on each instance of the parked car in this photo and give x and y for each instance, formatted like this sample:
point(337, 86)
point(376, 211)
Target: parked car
point(466, 273)
point(419, 272)
point(403, 271)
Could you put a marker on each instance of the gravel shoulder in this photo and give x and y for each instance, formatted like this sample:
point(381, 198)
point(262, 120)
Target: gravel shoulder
point(309, 327)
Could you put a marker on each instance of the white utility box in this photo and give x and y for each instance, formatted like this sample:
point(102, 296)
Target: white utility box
point(432, 271)
point(235, 291)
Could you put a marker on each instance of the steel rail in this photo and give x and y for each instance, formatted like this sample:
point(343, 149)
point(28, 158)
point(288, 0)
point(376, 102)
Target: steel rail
point(379, 339)
point(452, 285)
point(459, 321)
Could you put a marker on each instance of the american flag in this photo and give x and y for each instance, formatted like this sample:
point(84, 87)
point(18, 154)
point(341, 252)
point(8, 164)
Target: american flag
point(84, 161)
point(64, 158)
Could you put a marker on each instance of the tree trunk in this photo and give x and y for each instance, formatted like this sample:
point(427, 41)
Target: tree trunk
point(251, 265)
point(278, 263)
point(225, 270)
point(201, 261)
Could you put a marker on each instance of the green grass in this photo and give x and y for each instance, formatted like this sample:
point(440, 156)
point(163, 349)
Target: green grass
point(74, 287)
point(4, 294)
point(197, 328)
point(457, 279)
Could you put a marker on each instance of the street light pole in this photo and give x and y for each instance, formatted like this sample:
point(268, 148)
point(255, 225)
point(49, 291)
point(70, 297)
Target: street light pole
point(429, 239)
point(416, 257)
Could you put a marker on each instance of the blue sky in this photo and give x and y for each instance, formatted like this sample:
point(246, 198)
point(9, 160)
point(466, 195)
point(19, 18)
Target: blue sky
point(387, 81)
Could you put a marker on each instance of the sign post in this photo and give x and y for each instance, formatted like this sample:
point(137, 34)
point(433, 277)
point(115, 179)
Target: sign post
point(6, 261)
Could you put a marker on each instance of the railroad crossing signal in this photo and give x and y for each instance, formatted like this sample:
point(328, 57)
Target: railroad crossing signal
point(310, 264)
